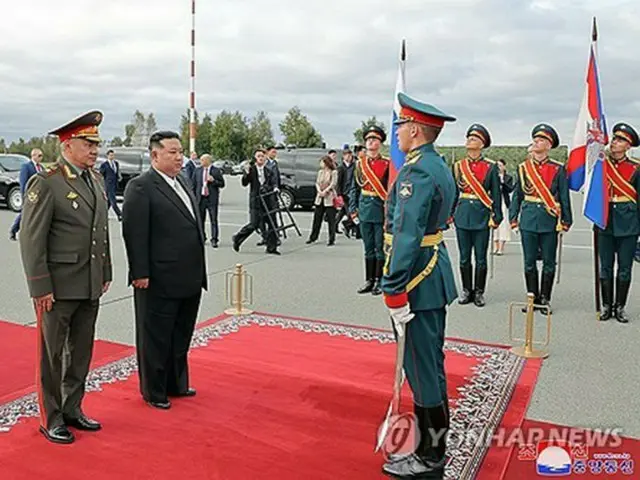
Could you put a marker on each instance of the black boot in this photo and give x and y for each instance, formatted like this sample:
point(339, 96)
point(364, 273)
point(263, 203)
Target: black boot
point(531, 281)
point(467, 285)
point(481, 282)
point(545, 291)
point(607, 298)
point(377, 289)
point(369, 265)
point(429, 459)
point(622, 292)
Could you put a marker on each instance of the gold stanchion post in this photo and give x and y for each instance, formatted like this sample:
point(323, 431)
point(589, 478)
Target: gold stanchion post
point(527, 350)
point(238, 291)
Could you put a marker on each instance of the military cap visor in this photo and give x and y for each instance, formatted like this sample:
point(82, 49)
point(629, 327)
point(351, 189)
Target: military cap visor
point(478, 131)
point(375, 132)
point(85, 126)
point(412, 110)
point(548, 132)
point(626, 132)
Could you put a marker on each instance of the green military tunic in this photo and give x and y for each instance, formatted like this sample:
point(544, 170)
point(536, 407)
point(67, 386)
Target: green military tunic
point(65, 252)
point(420, 204)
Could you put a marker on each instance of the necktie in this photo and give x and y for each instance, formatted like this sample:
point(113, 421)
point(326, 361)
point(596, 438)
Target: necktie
point(38, 167)
point(183, 196)
point(85, 176)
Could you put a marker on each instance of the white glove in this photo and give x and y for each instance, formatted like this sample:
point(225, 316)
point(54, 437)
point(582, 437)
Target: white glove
point(356, 221)
point(276, 189)
point(401, 316)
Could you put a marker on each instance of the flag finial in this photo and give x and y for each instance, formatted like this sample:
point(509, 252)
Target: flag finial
point(594, 31)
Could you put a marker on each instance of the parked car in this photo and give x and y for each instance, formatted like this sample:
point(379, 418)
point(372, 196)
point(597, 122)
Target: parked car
point(298, 173)
point(10, 180)
point(224, 165)
point(133, 161)
point(238, 168)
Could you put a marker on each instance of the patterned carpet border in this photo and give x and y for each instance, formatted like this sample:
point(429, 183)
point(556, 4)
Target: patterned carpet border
point(482, 401)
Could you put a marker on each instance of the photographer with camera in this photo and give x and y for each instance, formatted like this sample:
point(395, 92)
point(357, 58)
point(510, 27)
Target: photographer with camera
point(262, 182)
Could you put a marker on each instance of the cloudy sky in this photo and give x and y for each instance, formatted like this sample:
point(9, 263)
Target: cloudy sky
point(506, 63)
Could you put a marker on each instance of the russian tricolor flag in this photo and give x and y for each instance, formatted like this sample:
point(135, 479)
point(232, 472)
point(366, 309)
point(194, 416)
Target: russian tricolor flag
point(586, 165)
point(397, 156)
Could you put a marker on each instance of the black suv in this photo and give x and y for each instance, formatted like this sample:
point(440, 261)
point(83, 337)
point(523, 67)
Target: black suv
point(133, 161)
point(10, 180)
point(298, 173)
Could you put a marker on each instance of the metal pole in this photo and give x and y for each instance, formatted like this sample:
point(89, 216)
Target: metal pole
point(239, 295)
point(192, 96)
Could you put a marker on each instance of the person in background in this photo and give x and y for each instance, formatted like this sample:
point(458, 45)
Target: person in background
point(334, 156)
point(326, 184)
point(207, 182)
point(27, 170)
point(503, 233)
point(110, 171)
point(345, 180)
point(189, 167)
point(261, 181)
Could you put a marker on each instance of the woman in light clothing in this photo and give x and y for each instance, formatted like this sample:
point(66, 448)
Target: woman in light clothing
point(503, 233)
point(326, 184)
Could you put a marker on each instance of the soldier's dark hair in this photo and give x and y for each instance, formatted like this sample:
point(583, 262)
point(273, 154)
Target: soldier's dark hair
point(332, 151)
point(155, 141)
point(110, 151)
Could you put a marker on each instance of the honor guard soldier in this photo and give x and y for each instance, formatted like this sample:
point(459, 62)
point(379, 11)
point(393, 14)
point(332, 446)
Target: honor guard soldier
point(418, 282)
point(623, 225)
point(66, 257)
point(541, 209)
point(371, 177)
point(479, 209)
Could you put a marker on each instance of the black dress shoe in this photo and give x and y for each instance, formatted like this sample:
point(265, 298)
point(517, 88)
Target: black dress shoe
point(309, 242)
point(261, 243)
point(214, 243)
point(82, 423)
point(234, 242)
point(273, 252)
point(161, 405)
point(58, 434)
point(12, 236)
point(191, 392)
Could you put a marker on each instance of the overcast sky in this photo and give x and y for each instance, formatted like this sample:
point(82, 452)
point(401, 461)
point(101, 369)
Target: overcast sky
point(505, 63)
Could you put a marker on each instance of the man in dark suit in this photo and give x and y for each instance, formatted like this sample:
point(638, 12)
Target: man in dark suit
point(207, 182)
point(262, 181)
point(27, 170)
point(189, 167)
point(165, 249)
point(110, 170)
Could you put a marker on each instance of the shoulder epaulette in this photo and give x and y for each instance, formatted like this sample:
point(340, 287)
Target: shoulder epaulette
point(635, 160)
point(412, 157)
point(556, 162)
point(488, 160)
point(52, 170)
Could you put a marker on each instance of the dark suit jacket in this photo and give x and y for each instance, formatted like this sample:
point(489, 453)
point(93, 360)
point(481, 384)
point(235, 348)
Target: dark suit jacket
point(214, 187)
point(252, 179)
point(27, 170)
point(506, 187)
point(188, 170)
point(164, 242)
point(111, 177)
point(273, 166)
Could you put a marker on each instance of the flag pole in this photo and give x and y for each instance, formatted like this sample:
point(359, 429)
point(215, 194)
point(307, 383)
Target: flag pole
point(596, 250)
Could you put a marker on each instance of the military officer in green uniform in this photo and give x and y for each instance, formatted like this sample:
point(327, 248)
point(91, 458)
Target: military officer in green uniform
point(66, 258)
point(541, 210)
point(369, 189)
point(619, 238)
point(418, 282)
point(479, 209)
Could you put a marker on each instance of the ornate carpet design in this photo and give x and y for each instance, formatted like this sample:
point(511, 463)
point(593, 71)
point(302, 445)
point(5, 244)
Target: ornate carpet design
point(481, 403)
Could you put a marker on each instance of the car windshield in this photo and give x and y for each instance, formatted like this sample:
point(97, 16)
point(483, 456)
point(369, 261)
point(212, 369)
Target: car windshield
point(12, 163)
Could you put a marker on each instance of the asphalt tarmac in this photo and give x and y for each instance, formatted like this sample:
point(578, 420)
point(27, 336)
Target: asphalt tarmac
point(591, 378)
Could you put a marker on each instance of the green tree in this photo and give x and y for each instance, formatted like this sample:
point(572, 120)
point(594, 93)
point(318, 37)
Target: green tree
point(116, 142)
point(204, 135)
point(298, 130)
point(229, 136)
point(371, 121)
point(129, 130)
point(139, 123)
point(260, 133)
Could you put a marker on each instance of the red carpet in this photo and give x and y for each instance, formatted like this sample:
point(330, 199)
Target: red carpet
point(18, 355)
point(277, 399)
point(614, 458)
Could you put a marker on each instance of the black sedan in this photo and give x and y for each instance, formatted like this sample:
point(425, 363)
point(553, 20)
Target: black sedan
point(10, 180)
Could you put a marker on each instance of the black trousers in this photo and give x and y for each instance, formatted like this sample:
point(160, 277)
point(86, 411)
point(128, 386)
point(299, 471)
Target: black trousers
point(258, 221)
point(164, 327)
point(210, 204)
point(321, 212)
point(111, 199)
